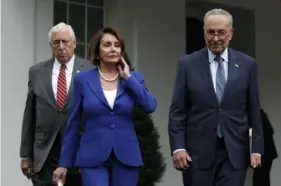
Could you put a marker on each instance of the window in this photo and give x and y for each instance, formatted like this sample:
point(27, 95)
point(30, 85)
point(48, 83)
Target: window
point(85, 17)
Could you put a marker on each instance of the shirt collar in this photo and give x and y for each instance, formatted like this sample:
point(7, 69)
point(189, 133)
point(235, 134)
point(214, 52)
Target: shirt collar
point(69, 65)
point(212, 56)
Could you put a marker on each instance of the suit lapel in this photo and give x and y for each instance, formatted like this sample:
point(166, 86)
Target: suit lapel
point(47, 76)
point(96, 87)
point(120, 88)
point(78, 65)
point(233, 67)
point(206, 74)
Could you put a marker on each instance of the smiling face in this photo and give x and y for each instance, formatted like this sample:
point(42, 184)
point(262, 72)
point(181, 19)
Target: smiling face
point(218, 33)
point(63, 45)
point(109, 49)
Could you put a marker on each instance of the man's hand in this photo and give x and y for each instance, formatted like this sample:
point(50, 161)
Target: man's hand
point(26, 166)
point(59, 175)
point(255, 160)
point(181, 160)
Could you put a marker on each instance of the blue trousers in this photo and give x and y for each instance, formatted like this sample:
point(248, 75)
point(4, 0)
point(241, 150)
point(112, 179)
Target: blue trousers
point(111, 173)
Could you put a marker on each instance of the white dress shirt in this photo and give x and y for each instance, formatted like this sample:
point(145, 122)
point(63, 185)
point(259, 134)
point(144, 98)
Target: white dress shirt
point(56, 71)
point(110, 96)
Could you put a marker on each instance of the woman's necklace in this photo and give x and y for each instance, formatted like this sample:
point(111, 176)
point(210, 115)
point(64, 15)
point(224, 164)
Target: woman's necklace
point(108, 80)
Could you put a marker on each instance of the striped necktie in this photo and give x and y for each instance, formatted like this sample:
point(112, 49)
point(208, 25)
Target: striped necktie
point(61, 88)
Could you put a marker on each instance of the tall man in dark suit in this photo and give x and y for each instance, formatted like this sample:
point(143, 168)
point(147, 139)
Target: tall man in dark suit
point(47, 106)
point(215, 102)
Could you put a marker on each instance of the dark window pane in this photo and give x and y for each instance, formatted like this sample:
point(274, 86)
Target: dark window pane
point(60, 12)
point(78, 1)
point(80, 50)
point(95, 2)
point(77, 21)
point(95, 21)
point(194, 35)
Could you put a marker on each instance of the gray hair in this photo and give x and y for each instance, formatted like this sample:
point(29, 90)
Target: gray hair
point(58, 28)
point(219, 11)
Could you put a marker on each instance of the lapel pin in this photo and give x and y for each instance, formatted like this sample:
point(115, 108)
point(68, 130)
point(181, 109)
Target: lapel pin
point(236, 65)
point(77, 71)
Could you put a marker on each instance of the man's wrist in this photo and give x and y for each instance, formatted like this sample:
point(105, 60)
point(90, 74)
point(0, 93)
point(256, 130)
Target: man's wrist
point(177, 150)
point(258, 154)
point(25, 158)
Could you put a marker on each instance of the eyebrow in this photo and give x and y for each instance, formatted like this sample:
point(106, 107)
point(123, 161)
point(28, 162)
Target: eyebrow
point(106, 41)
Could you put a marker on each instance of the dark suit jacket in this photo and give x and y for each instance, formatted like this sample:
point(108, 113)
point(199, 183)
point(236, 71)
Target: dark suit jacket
point(42, 120)
point(195, 111)
point(106, 129)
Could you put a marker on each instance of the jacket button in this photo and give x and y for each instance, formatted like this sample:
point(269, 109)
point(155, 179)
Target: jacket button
point(112, 127)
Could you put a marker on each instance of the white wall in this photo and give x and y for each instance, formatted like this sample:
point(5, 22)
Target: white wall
point(17, 49)
point(116, 15)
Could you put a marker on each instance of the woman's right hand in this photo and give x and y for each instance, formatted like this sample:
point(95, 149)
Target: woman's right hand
point(59, 175)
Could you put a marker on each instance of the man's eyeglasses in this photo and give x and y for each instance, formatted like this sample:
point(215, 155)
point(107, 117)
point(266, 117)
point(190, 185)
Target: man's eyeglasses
point(221, 34)
point(57, 43)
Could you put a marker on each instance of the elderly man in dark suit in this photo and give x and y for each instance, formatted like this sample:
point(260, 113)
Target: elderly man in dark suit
point(214, 104)
point(47, 107)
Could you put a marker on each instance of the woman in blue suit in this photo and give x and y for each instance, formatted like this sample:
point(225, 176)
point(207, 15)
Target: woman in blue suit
point(108, 153)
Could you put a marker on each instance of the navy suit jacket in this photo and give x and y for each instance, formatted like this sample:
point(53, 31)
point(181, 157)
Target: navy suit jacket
point(106, 129)
point(195, 111)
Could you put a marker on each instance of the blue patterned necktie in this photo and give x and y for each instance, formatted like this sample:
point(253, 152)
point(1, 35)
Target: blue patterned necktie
point(220, 78)
point(220, 86)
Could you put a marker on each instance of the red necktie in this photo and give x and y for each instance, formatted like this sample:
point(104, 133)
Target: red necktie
point(61, 89)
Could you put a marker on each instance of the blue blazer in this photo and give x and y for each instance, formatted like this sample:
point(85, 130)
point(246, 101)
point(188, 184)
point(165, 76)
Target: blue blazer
point(105, 129)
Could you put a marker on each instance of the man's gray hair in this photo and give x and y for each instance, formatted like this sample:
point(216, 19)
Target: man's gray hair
point(58, 28)
point(219, 11)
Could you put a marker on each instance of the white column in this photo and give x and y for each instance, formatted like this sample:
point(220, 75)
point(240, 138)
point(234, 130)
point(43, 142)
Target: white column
point(17, 49)
point(43, 23)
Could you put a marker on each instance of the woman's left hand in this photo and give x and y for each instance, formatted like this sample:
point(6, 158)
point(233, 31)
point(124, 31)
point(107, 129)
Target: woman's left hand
point(124, 72)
